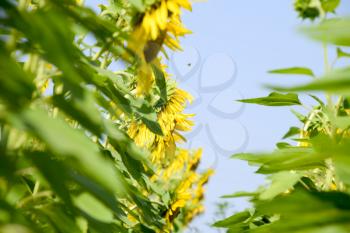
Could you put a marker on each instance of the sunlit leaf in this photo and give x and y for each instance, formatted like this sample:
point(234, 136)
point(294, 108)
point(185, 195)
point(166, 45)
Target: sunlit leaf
point(341, 53)
point(336, 81)
point(291, 132)
point(334, 31)
point(294, 71)
point(275, 99)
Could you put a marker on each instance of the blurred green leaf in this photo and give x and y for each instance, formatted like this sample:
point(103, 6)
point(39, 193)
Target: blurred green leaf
point(138, 4)
point(280, 183)
point(330, 5)
point(161, 84)
point(341, 53)
point(16, 86)
point(275, 99)
point(334, 31)
point(336, 81)
point(234, 219)
point(285, 160)
point(72, 143)
point(283, 145)
point(61, 219)
point(294, 71)
point(240, 194)
point(94, 207)
point(307, 212)
point(291, 132)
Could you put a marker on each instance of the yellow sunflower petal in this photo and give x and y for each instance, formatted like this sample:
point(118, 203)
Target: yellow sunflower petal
point(162, 16)
point(185, 4)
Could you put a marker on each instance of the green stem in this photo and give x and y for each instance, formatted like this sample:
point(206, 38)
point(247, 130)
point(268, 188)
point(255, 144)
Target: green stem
point(330, 105)
point(327, 70)
point(322, 117)
point(29, 199)
point(36, 187)
point(339, 103)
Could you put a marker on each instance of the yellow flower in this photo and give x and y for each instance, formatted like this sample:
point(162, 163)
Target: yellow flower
point(160, 24)
point(182, 195)
point(177, 165)
point(172, 121)
point(161, 21)
point(195, 160)
point(155, 20)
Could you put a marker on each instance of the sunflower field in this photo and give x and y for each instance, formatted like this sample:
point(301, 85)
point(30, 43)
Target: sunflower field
point(84, 147)
point(92, 125)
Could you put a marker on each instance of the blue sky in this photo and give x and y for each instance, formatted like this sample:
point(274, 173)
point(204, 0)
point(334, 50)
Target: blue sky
point(258, 36)
point(233, 45)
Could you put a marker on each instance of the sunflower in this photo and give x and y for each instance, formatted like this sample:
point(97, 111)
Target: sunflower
point(165, 17)
point(172, 121)
point(183, 194)
point(175, 168)
point(160, 24)
point(188, 197)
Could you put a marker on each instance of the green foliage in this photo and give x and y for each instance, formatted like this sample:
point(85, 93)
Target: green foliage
point(308, 189)
point(307, 9)
point(291, 132)
point(275, 99)
point(334, 31)
point(312, 9)
point(336, 81)
point(341, 53)
point(67, 163)
point(294, 71)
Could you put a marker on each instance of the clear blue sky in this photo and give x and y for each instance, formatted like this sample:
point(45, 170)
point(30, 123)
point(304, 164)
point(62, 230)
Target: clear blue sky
point(239, 41)
point(258, 36)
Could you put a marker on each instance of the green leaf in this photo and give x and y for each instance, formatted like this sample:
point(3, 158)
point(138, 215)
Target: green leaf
point(234, 219)
point(336, 81)
point(318, 100)
point(294, 71)
point(304, 211)
point(285, 160)
point(94, 207)
point(240, 194)
point(82, 108)
point(161, 83)
point(107, 82)
point(60, 219)
point(341, 53)
point(280, 183)
point(330, 5)
point(72, 143)
point(16, 86)
point(283, 145)
point(15, 220)
point(342, 122)
point(291, 132)
point(149, 118)
point(275, 99)
point(300, 116)
point(48, 167)
point(342, 168)
point(334, 31)
point(340, 155)
point(138, 4)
